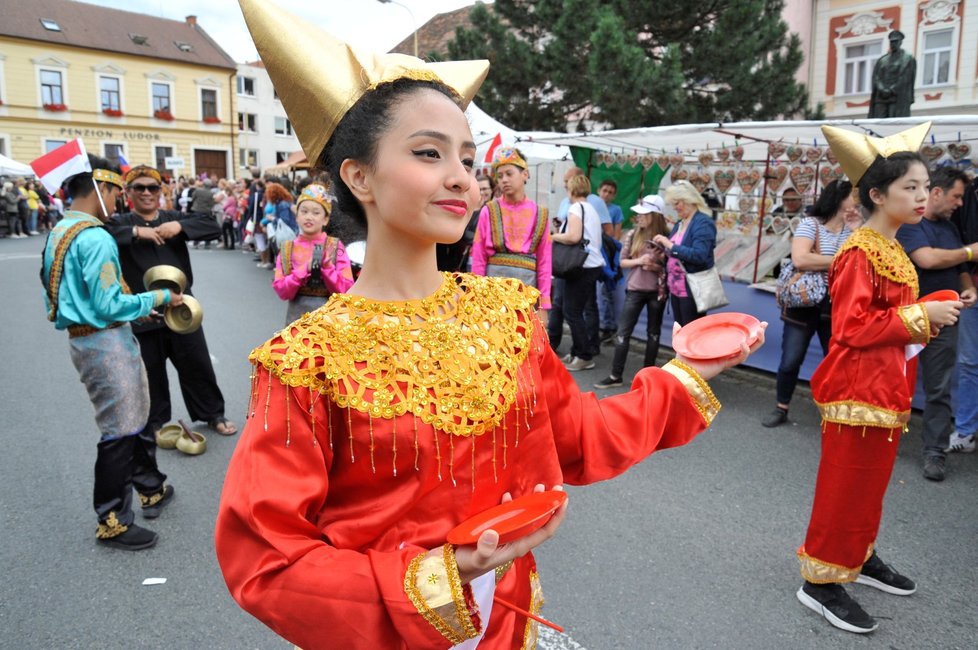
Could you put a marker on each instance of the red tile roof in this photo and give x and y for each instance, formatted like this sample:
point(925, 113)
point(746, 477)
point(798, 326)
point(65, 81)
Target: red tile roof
point(89, 26)
point(435, 34)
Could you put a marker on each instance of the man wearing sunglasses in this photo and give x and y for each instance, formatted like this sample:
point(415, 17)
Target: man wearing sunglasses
point(147, 237)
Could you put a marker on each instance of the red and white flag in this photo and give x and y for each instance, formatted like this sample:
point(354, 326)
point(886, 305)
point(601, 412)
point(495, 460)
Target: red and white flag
point(55, 167)
point(498, 140)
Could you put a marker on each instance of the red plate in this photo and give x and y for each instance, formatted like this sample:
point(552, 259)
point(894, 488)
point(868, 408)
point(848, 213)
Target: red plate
point(940, 296)
point(512, 520)
point(716, 336)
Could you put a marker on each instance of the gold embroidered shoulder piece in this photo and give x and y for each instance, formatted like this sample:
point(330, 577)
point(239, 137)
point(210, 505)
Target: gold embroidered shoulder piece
point(887, 257)
point(451, 359)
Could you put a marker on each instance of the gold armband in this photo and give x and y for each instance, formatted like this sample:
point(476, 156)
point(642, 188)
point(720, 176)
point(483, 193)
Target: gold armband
point(433, 585)
point(704, 399)
point(916, 321)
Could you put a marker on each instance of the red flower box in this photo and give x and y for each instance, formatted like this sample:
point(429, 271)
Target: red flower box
point(55, 108)
point(212, 120)
point(164, 115)
point(112, 112)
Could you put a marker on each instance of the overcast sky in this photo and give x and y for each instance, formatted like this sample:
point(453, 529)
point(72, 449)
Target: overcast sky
point(366, 24)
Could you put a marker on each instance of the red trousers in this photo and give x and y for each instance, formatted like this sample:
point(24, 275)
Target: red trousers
point(853, 475)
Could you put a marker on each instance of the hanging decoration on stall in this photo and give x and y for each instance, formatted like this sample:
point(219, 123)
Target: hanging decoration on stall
point(958, 150)
point(932, 152)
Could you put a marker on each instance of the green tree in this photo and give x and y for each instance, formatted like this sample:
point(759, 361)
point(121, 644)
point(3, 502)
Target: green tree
point(626, 63)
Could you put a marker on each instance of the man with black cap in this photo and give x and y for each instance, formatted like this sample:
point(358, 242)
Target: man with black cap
point(893, 77)
point(147, 237)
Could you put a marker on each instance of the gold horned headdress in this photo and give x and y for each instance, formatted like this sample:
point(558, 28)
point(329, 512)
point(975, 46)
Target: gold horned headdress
point(857, 151)
point(318, 77)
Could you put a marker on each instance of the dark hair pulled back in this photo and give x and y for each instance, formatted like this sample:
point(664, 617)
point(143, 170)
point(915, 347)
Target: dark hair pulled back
point(358, 132)
point(831, 199)
point(883, 172)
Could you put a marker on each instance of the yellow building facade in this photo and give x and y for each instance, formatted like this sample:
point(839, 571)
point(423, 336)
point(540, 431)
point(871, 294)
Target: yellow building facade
point(163, 112)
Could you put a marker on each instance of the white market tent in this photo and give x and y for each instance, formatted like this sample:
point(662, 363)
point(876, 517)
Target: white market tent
point(691, 139)
point(10, 167)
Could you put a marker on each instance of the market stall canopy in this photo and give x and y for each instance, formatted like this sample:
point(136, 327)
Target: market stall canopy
point(690, 139)
point(296, 161)
point(485, 128)
point(10, 167)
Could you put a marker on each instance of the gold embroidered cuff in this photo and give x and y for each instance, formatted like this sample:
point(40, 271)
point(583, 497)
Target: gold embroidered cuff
point(433, 585)
point(704, 399)
point(861, 414)
point(819, 572)
point(916, 321)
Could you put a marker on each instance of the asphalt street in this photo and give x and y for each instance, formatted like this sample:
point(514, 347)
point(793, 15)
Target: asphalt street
point(694, 548)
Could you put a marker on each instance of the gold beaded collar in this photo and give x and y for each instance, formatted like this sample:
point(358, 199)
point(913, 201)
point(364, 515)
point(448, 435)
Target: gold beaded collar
point(452, 359)
point(887, 257)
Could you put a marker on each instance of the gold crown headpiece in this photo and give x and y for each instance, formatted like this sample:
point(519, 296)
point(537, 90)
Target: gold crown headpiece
point(857, 151)
point(317, 194)
point(108, 176)
point(508, 156)
point(143, 170)
point(318, 77)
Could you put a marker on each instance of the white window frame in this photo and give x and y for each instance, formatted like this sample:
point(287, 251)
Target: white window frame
point(51, 64)
point(163, 79)
point(240, 86)
point(98, 91)
point(120, 143)
point(161, 145)
point(284, 155)
point(289, 130)
point(245, 122)
point(208, 83)
point(841, 44)
point(955, 28)
point(45, 141)
point(257, 158)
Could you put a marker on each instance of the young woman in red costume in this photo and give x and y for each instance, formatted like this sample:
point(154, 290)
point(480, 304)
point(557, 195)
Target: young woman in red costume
point(864, 385)
point(418, 399)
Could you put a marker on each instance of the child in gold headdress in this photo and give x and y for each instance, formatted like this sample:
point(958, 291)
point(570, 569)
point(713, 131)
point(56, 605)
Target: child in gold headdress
point(864, 385)
point(418, 399)
point(313, 266)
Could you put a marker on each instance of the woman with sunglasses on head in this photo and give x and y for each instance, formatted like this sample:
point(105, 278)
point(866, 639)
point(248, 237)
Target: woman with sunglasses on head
point(398, 410)
point(147, 237)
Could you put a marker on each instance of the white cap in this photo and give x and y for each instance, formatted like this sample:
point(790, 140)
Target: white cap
point(650, 203)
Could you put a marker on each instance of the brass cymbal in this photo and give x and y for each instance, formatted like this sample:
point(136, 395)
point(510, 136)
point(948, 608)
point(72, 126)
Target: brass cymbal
point(165, 276)
point(185, 318)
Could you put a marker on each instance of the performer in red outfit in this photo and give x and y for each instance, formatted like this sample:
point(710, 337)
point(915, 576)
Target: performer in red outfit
point(864, 386)
point(418, 399)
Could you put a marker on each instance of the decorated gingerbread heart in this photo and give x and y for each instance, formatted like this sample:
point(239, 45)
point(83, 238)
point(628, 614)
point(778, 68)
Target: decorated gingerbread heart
point(958, 150)
point(746, 204)
point(830, 156)
point(723, 155)
point(706, 158)
point(723, 179)
point(776, 149)
point(794, 152)
point(647, 162)
point(748, 180)
point(813, 154)
point(776, 178)
point(828, 174)
point(662, 161)
point(931, 152)
point(802, 177)
point(676, 160)
point(737, 153)
point(780, 225)
point(699, 180)
point(679, 174)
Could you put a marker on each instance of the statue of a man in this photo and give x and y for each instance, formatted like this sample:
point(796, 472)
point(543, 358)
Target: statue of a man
point(893, 79)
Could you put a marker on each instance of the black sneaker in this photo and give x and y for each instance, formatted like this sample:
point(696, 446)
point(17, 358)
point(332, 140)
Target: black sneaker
point(154, 503)
point(837, 606)
point(775, 418)
point(135, 538)
point(934, 469)
point(609, 382)
point(876, 573)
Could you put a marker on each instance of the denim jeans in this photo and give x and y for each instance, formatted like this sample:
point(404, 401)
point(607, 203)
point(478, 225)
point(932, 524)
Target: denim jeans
point(555, 324)
point(33, 221)
point(794, 347)
point(936, 366)
point(966, 416)
point(610, 301)
point(635, 302)
point(579, 292)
